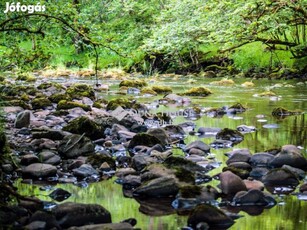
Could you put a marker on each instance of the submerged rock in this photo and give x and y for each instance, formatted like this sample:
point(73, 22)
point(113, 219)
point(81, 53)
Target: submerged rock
point(75, 214)
point(253, 197)
point(280, 177)
point(214, 217)
point(159, 187)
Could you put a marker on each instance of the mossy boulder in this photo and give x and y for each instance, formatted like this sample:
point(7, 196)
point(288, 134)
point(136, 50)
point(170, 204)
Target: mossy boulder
point(198, 91)
point(160, 89)
point(100, 103)
point(211, 215)
point(190, 191)
point(58, 97)
point(148, 90)
point(133, 83)
point(267, 94)
point(41, 103)
point(97, 160)
point(64, 104)
point(4, 147)
point(28, 77)
point(84, 125)
point(79, 90)
point(223, 82)
point(124, 103)
point(184, 175)
point(280, 111)
point(230, 135)
point(179, 162)
point(144, 139)
point(238, 107)
point(47, 85)
point(20, 103)
point(11, 90)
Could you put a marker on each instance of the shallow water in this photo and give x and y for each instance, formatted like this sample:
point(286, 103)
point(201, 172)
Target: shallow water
point(290, 213)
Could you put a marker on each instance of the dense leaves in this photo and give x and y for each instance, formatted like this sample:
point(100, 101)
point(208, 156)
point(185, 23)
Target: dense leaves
point(143, 35)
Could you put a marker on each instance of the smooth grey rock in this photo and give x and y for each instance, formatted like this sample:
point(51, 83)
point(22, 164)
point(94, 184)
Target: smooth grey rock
point(39, 170)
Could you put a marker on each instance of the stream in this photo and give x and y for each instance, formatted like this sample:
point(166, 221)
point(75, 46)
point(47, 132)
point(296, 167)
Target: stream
point(272, 132)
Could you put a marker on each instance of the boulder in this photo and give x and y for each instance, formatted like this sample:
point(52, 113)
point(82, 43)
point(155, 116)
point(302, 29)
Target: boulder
point(214, 217)
point(159, 187)
point(23, 119)
point(230, 183)
point(75, 145)
point(39, 170)
point(84, 170)
point(253, 197)
point(261, 159)
point(240, 155)
point(197, 145)
point(230, 135)
point(289, 155)
point(161, 134)
point(280, 177)
point(75, 214)
point(84, 125)
point(144, 139)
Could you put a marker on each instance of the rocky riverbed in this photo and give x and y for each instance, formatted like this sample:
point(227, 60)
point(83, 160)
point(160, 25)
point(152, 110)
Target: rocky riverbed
point(68, 133)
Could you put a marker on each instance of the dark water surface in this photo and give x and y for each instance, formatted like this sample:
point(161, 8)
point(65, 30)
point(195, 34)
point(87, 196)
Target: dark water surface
point(289, 213)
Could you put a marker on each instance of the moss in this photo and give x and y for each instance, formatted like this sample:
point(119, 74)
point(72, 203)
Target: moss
point(198, 91)
point(190, 191)
point(242, 173)
point(84, 125)
point(98, 159)
point(4, 147)
point(114, 103)
point(12, 90)
point(47, 85)
point(144, 139)
point(280, 111)
point(148, 90)
point(78, 90)
point(133, 83)
point(162, 89)
point(248, 84)
point(223, 82)
point(267, 94)
point(40, 103)
point(100, 103)
point(25, 77)
point(184, 175)
point(179, 162)
point(25, 97)
point(229, 134)
point(58, 97)
point(64, 104)
point(238, 107)
point(20, 103)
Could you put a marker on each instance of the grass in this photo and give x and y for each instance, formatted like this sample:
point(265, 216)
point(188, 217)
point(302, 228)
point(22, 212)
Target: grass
point(256, 55)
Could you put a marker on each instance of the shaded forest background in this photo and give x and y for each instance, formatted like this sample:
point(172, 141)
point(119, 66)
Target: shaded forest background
point(157, 36)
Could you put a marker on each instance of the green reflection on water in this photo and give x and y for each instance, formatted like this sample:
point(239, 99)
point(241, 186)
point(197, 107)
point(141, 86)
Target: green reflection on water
point(292, 130)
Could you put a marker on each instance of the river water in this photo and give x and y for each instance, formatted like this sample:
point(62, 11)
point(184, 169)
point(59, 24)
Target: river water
point(289, 213)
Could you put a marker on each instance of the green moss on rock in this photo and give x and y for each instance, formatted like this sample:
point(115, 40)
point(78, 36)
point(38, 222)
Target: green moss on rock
point(64, 104)
point(198, 91)
point(190, 191)
point(280, 111)
point(58, 97)
point(78, 90)
point(184, 175)
point(47, 85)
point(148, 90)
point(84, 125)
point(133, 83)
point(97, 160)
point(40, 103)
point(160, 89)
